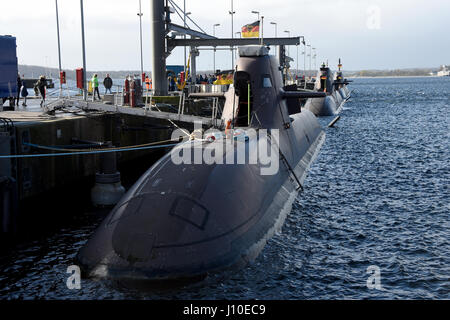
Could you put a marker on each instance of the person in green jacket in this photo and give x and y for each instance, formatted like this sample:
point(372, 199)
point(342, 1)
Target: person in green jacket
point(95, 86)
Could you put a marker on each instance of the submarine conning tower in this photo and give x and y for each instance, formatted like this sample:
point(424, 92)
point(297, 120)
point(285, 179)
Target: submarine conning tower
point(258, 82)
point(339, 77)
point(324, 80)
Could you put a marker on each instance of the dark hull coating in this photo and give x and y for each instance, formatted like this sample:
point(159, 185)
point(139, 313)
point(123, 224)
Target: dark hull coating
point(330, 105)
point(186, 220)
point(181, 221)
point(336, 89)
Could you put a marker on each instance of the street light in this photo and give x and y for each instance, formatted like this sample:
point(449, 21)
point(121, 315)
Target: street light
point(309, 55)
point(289, 35)
point(315, 60)
point(256, 12)
point(140, 14)
point(276, 35)
point(214, 28)
point(84, 51)
point(304, 62)
point(184, 36)
point(232, 12)
point(214, 54)
point(59, 49)
point(303, 41)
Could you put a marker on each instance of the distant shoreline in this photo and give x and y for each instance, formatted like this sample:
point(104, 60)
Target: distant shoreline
point(368, 77)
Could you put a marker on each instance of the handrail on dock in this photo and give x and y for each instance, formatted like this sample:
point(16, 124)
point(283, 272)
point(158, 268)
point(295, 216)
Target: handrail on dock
point(137, 111)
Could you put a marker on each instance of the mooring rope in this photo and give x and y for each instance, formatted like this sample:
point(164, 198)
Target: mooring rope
point(109, 150)
point(55, 148)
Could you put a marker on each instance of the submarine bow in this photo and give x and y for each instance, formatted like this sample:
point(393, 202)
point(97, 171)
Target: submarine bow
point(184, 220)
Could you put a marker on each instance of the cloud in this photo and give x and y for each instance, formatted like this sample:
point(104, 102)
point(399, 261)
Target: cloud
point(409, 34)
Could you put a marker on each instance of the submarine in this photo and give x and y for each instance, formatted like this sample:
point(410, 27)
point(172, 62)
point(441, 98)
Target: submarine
point(335, 87)
point(185, 220)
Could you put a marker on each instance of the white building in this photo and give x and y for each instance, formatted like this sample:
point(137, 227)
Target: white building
point(444, 72)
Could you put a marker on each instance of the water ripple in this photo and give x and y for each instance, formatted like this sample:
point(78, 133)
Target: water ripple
point(377, 195)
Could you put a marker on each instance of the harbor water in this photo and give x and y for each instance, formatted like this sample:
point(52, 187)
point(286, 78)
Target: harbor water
point(377, 196)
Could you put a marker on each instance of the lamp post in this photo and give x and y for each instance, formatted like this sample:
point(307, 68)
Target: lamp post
point(276, 35)
point(297, 62)
point(315, 60)
point(184, 36)
point(59, 48)
point(256, 12)
point(303, 42)
point(214, 54)
point(140, 14)
point(309, 55)
point(304, 61)
point(84, 51)
point(185, 14)
point(289, 35)
point(232, 12)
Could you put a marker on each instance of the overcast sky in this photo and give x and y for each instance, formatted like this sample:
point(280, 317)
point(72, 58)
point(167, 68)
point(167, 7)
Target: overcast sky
point(366, 34)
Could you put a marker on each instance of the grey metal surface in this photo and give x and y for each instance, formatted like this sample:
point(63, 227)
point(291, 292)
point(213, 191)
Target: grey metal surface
point(185, 220)
point(86, 105)
point(194, 33)
point(226, 42)
point(158, 47)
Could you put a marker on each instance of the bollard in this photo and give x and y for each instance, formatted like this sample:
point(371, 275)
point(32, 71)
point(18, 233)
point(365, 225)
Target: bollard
point(8, 205)
point(108, 189)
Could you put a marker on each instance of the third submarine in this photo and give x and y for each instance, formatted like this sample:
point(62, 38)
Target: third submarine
point(335, 86)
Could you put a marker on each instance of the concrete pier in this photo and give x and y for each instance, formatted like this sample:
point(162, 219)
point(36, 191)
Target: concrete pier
point(37, 175)
point(74, 123)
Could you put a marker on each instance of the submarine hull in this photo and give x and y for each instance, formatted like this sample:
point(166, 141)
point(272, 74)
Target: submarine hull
point(330, 105)
point(321, 107)
point(185, 220)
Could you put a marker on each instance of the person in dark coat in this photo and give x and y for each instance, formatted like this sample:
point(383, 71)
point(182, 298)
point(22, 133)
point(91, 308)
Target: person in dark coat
point(42, 86)
point(19, 86)
point(108, 83)
point(24, 94)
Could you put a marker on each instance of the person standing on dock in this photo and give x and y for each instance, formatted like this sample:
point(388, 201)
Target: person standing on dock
point(19, 86)
point(24, 94)
point(147, 83)
point(108, 83)
point(42, 86)
point(95, 86)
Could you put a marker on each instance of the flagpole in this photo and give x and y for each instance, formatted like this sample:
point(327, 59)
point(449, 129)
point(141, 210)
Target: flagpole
point(262, 30)
point(59, 49)
point(84, 52)
point(232, 34)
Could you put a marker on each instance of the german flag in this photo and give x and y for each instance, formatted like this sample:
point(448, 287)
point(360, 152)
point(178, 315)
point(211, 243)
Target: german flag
point(251, 30)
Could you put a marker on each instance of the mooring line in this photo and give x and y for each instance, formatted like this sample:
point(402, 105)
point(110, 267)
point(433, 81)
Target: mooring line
point(82, 153)
point(54, 148)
